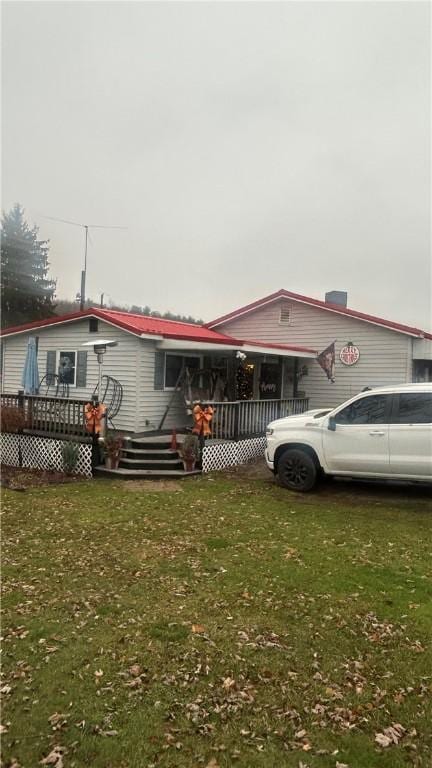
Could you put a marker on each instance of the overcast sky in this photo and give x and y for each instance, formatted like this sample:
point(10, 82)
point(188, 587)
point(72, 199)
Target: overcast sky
point(246, 147)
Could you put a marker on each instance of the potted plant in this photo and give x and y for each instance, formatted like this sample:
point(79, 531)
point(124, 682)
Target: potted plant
point(190, 452)
point(112, 446)
point(70, 454)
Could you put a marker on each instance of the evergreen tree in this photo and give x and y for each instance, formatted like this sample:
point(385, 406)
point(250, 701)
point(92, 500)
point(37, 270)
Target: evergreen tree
point(26, 291)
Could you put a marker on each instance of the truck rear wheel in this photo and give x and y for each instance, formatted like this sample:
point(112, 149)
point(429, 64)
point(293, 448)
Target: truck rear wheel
point(297, 470)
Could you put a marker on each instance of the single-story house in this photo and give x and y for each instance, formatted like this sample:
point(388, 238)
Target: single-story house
point(277, 340)
point(368, 350)
point(147, 362)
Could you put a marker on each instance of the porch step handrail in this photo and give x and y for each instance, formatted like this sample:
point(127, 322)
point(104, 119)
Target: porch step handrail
point(235, 419)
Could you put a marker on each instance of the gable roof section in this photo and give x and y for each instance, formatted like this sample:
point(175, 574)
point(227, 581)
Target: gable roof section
point(283, 294)
point(159, 328)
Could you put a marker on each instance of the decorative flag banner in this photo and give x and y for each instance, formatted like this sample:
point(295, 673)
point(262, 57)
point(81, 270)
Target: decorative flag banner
point(327, 361)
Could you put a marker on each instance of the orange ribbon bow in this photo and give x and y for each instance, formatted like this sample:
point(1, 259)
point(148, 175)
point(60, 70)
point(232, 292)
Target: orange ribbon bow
point(202, 418)
point(94, 416)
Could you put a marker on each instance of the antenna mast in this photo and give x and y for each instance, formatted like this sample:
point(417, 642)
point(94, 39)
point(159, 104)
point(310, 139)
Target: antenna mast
point(86, 227)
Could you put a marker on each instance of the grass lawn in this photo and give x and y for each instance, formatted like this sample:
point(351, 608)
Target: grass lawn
point(223, 622)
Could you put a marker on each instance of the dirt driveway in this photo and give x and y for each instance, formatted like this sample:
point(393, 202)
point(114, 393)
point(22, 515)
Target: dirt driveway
point(340, 489)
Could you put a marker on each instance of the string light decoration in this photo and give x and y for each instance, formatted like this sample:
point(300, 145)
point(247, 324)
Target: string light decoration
point(244, 380)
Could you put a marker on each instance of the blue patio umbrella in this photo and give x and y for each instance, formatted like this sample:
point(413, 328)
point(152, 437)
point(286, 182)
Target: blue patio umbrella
point(30, 377)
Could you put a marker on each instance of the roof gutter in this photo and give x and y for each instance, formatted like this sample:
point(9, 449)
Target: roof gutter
point(152, 336)
point(263, 350)
point(207, 346)
point(199, 346)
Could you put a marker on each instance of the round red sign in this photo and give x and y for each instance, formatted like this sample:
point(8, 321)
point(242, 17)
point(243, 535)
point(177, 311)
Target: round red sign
point(349, 354)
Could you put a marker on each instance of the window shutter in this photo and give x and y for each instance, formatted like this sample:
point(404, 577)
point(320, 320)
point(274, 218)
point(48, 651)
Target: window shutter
point(81, 371)
point(159, 369)
point(51, 366)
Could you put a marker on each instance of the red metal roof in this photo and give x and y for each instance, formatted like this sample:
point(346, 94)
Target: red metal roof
point(171, 329)
point(322, 305)
point(154, 326)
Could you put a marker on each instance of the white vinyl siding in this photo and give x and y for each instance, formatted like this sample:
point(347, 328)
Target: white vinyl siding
point(385, 356)
point(152, 402)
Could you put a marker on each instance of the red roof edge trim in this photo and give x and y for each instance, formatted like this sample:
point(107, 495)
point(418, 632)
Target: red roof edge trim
point(390, 324)
point(49, 321)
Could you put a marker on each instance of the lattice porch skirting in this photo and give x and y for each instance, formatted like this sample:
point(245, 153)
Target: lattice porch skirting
point(220, 455)
point(42, 453)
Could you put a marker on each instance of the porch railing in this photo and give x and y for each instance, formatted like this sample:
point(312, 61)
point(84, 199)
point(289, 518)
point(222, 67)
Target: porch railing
point(49, 415)
point(245, 418)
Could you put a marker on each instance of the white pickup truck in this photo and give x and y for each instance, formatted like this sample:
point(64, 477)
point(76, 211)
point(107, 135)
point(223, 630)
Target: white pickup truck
point(384, 433)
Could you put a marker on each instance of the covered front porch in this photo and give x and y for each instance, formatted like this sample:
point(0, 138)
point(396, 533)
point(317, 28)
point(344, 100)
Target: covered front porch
point(247, 388)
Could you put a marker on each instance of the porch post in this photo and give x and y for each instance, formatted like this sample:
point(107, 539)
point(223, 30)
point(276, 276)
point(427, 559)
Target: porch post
point(281, 384)
point(21, 408)
point(295, 377)
point(231, 378)
point(236, 420)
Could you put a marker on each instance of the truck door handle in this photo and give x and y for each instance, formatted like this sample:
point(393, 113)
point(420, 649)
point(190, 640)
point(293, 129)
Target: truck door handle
point(376, 433)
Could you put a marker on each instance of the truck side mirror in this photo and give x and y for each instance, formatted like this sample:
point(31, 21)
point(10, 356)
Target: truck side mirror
point(332, 423)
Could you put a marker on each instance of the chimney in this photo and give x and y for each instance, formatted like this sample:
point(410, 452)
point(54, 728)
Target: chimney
point(336, 297)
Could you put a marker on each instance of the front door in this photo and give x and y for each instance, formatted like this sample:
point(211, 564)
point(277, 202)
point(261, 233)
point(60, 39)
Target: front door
point(270, 381)
point(360, 443)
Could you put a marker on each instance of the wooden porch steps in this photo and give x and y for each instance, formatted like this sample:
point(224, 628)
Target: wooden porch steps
point(137, 474)
point(150, 457)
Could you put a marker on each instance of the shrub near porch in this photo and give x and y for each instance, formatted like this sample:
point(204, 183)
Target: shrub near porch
point(224, 622)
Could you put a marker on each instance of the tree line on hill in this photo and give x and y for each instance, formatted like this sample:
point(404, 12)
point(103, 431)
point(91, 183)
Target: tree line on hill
point(64, 306)
point(27, 291)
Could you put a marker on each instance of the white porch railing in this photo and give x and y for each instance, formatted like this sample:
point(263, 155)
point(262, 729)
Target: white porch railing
point(244, 418)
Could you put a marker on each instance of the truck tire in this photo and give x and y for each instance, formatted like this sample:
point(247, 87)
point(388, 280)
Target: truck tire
point(297, 470)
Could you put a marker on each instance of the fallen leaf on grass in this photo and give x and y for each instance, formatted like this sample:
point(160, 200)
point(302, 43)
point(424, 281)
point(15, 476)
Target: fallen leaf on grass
point(213, 763)
point(198, 629)
point(55, 757)
point(390, 735)
point(100, 732)
point(382, 740)
point(57, 721)
point(135, 670)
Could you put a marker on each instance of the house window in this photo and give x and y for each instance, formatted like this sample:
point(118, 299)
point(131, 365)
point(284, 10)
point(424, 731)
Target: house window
point(173, 366)
point(93, 325)
point(66, 366)
point(285, 315)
